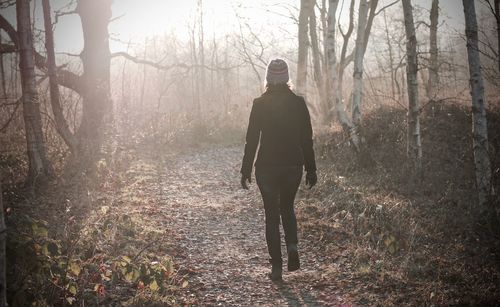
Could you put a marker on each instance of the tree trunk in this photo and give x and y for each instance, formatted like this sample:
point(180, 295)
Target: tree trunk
point(2, 72)
point(305, 11)
point(433, 81)
point(39, 165)
point(343, 60)
point(414, 146)
point(479, 123)
point(318, 72)
point(332, 73)
point(61, 123)
point(3, 254)
point(144, 74)
point(358, 64)
point(497, 15)
point(391, 57)
point(97, 106)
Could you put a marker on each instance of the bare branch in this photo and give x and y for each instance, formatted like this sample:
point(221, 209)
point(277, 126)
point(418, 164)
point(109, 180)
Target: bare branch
point(386, 7)
point(11, 117)
point(7, 48)
point(167, 67)
point(64, 77)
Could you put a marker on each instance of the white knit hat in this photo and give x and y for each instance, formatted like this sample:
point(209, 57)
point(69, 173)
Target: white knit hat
point(277, 72)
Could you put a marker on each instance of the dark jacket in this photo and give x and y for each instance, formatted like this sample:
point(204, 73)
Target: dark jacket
point(281, 120)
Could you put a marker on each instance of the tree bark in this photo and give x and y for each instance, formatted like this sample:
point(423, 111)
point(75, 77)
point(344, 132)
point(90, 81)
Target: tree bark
point(305, 11)
point(97, 106)
point(61, 123)
point(358, 64)
point(433, 81)
point(2, 72)
point(65, 78)
point(318, 71)
point(479, 122)
point(414, 145)
point(3, 254)
point(332, 80)
point(497, 15)
point(343, 62)
point(39, 166)
point(391, 57)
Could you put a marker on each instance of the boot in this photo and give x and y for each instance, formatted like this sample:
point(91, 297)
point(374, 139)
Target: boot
point(293, 257)
point(276, 273)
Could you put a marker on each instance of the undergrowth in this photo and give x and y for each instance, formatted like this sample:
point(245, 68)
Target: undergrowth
point(421, 244)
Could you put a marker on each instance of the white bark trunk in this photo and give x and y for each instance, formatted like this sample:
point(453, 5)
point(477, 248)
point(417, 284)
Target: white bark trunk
point(414, 145)
point(358, 64)
point(332, 80)
point(479, 122)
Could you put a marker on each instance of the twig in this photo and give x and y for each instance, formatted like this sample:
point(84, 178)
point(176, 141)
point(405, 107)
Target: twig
point(144, 248)
point(11, 117)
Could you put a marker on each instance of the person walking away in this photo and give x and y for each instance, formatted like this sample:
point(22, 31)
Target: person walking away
point(280, 123)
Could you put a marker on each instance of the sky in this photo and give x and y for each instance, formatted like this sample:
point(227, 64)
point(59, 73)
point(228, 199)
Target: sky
point(134, 20)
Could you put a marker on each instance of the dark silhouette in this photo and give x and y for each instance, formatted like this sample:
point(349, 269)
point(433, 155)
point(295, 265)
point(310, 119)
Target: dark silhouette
point(280, 119)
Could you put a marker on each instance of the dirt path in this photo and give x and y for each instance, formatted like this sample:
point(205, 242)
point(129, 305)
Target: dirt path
point(221, 237)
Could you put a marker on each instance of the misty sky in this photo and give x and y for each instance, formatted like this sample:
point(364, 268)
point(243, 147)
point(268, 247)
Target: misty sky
point(137, 19)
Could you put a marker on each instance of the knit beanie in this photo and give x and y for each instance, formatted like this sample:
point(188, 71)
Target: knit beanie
point(277, 72)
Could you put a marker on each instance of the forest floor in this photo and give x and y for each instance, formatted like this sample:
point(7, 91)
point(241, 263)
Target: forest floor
point(155, 226)
point(222, 238)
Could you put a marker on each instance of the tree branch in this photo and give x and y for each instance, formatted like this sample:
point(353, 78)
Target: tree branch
point(386, 7)
point(11, 117)
point(64, 77)
point(166, 67)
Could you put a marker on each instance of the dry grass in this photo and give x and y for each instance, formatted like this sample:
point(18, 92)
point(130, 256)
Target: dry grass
point(419, 244)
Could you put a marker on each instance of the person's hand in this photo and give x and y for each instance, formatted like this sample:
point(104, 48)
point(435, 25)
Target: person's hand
point(311, 179)
point(244, 179)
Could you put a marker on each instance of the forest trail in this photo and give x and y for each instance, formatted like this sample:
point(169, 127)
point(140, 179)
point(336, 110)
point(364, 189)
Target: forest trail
point(221, 245)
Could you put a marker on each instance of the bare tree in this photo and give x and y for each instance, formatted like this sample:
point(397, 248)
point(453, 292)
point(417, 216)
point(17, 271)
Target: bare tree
point(61, 123)
point(2, 72)
point(344, 59)
point(332, 76)
point(479, 122)
point(433, 81)
point(3, 254)
point(497, 16)
point(305, 12)
point(358, 64)
point(97, 107)
point(414, 145)
point(39, 165)
point(317, 69)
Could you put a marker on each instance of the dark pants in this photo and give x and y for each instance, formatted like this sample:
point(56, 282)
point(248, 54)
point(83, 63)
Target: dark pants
point(278, 186)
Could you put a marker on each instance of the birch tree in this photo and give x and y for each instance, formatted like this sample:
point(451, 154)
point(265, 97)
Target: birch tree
point(358, 64)
point(39, 165)
point(479, 122)
point(332, 70)
point(414, 145)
